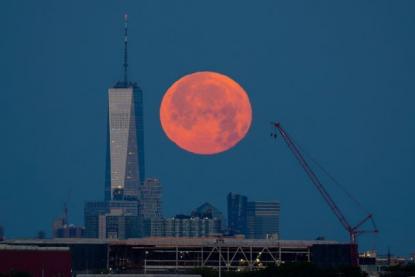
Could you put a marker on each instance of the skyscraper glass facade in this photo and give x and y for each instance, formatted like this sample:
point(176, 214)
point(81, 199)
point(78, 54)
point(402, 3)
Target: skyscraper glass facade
point(263, 219)
point(125, 170)
point(237, 217)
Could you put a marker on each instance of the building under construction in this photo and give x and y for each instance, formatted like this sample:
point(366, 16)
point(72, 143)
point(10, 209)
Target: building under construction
point(169, 255)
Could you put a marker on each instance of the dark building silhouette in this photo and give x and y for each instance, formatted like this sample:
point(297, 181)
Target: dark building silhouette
point(263, 218)
point(28, 260)
point(62, 230)
point(237, 214)
point(112, 219)
point(207, 210)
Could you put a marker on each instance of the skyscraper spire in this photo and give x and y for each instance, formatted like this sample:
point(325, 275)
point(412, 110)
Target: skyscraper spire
point(126, 49)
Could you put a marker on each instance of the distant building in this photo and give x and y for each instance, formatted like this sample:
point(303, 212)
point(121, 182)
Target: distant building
point(132, 204)
point(41, 234)
point(112, 219)
point(119, 226)
point(57, 223)
point(125, 170)
point(182, 226)
point(237, 214)
point(154, 227)
point(186, 226)
point(263, 219)
point(1, 233)
point(150, 199)
point(62, 229)
point(69, 231)
point(92, 211)
point(207, 210)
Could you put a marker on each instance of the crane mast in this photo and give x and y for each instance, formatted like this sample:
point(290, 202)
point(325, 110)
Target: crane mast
point(353, 231)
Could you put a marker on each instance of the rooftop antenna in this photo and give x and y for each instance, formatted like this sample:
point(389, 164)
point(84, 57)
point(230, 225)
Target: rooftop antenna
point(125, 49)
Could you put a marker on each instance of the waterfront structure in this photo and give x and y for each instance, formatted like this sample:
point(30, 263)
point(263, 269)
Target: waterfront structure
point(237, 214)
point(263, 219)
point(181, 254)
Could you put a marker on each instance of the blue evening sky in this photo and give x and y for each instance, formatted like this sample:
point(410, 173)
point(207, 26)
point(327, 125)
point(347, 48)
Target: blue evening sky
point(339, 75)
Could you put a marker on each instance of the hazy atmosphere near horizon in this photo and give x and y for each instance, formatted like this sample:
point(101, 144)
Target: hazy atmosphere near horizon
point(339, 76)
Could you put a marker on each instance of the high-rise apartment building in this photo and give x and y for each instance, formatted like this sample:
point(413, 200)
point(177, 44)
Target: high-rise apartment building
point(263, 219)
point(237, 217)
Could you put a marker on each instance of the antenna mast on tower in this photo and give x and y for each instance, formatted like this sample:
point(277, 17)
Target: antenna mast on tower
point(125, 49)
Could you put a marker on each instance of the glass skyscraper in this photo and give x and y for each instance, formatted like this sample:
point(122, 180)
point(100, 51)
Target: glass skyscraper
point(263, 219)
point(237, 217)
point(125, 170)
point(117, 216)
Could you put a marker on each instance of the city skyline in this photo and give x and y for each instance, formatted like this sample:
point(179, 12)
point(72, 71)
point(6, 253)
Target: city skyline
point(345, 115)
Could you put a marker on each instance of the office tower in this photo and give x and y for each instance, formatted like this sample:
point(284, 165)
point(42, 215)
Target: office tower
point(1, 233)
point(150, 199)
point(116, 225)
point(126, 190)
point(125, 170)
point(207, 210)
point(118, 219)
point(237, 217)
point(92, 212)
point(263, 219)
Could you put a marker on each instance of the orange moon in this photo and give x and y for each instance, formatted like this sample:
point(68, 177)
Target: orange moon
point(205, 113)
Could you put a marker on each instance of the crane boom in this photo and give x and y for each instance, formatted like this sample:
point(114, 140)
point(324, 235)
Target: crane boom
point(313, 177)
point(352, 231)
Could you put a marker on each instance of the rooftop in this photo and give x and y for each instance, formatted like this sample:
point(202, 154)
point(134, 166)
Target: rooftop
point(172, 241)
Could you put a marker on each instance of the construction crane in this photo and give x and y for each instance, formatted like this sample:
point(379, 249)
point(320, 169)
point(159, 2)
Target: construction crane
point(353, 231)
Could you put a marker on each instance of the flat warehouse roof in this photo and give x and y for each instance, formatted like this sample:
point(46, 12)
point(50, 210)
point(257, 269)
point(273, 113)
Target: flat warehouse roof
point(174, 241)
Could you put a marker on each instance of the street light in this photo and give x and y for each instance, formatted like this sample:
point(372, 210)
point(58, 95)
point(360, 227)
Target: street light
point(145, 261)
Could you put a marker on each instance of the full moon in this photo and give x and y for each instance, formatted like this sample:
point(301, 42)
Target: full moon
point(205, 113)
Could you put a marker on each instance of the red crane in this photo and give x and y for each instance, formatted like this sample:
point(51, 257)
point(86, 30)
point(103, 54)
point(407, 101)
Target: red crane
point(353, 231)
